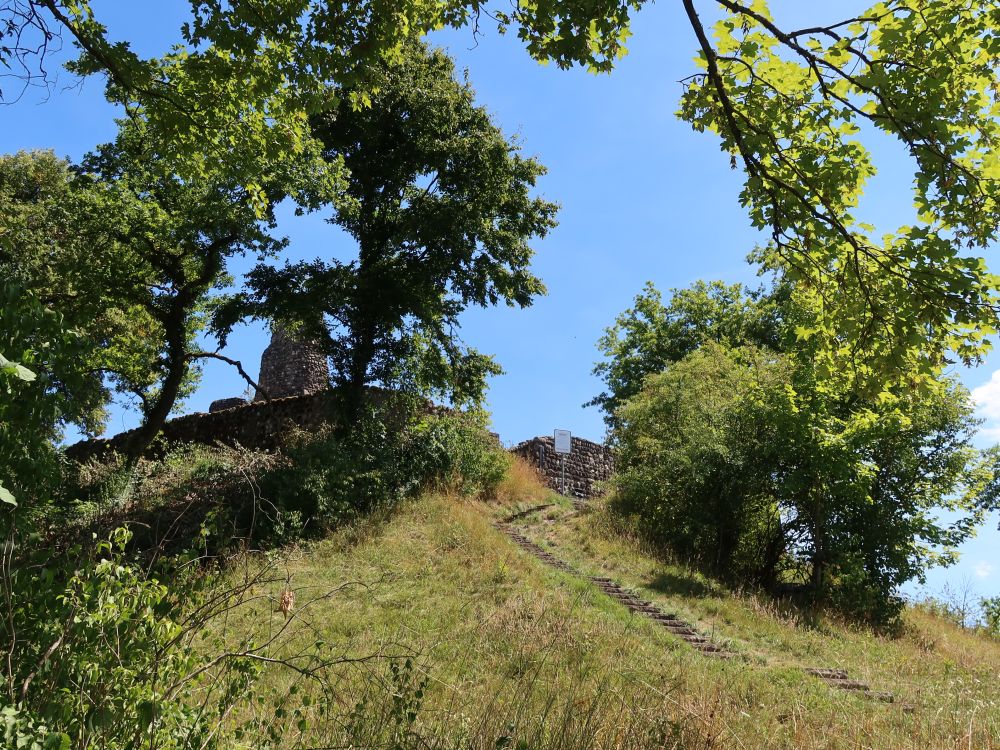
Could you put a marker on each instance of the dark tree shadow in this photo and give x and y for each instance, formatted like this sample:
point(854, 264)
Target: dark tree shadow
point(669, 583)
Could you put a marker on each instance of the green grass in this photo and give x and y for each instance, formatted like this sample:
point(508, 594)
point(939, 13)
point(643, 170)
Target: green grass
point(516, 654)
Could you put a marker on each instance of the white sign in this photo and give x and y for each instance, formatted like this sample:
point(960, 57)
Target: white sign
point(564, 441)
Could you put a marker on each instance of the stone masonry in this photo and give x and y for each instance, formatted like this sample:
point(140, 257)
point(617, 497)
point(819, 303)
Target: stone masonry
point(587, 466)
point(295, 376)
point(221, 404)
point(291, 367)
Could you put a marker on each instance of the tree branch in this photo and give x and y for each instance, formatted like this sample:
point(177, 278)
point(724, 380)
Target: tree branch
point(235, 363)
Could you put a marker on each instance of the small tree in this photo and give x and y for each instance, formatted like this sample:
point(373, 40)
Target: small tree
point(696, 460)
point(439, 203)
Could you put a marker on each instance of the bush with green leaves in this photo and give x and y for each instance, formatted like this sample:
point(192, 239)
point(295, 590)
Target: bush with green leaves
point(456, 452)
point(991, 615)
point(98, 651)
point(103, 653)
point(389, 454)
point(695, 447)
point(747, 462)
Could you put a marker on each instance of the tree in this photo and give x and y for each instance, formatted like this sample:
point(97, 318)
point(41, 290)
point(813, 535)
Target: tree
point(650, 335)
point(176, 237)
point(787, 104)
point(64, 318)
point(735, 460)
point(126, 254)
point(439, 203)
point(742, 453)
point(233, 98)
point(48, 252)
point(791, 104)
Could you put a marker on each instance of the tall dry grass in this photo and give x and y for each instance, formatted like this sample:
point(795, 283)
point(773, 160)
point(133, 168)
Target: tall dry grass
point(522, 485)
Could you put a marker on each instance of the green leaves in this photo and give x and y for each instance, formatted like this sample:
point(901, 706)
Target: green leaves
point(441, 206)
point(21, 731)
point(751, 457)
point(652, 334)
point(791, 106)
point(13, 369)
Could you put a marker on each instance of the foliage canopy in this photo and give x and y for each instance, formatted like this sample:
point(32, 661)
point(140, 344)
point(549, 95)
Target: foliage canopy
point(791, 106)
point(748, 459)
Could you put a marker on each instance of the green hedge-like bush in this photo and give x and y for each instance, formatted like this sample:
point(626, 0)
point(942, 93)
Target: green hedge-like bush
point(98, 657)
point(337, 475)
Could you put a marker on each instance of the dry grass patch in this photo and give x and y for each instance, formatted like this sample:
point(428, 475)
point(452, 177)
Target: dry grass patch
point(523, 485)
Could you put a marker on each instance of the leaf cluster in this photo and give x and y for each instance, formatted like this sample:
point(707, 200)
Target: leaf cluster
point(750, 459)
point(794, 107)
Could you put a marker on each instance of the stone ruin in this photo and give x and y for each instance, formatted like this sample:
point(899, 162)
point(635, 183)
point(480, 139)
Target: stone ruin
point(588, 466)
point(295, 375)
point(289, 366)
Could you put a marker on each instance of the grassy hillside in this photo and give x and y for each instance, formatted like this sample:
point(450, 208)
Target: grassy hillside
point(504, 651)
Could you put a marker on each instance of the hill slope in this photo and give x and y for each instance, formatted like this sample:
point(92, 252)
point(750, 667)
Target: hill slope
point(505, 651)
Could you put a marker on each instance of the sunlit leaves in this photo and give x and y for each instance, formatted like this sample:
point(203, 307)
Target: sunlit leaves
point(797, 108)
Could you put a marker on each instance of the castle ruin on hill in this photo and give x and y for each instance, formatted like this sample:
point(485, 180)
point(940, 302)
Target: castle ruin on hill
point(289, 366)
point(294, 392)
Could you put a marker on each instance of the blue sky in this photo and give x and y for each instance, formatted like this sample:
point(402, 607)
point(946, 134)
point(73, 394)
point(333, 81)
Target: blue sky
point(643, 198)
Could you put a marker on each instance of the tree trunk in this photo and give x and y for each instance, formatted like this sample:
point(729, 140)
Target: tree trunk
point(177, 364)
point(357, 383)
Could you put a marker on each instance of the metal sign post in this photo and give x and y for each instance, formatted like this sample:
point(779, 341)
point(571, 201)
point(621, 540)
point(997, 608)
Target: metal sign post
point(563, 446)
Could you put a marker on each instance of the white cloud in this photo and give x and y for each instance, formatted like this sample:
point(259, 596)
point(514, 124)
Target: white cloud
point(987, 400)
point(984, 569)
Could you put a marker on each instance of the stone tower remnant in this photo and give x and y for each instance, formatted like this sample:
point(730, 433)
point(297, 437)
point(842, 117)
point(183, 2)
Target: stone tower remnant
point(291, 366)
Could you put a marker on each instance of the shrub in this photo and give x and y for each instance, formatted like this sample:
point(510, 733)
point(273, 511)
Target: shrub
point(336, 475)
point(103, 654)
point(96, 653)
point(522, 484)
point(693, 467)
point(991, 615)
point(455, 452)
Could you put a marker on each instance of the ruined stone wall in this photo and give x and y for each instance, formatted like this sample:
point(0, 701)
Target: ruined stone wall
point(260, 424)
point(587, 465)
point(265, 425)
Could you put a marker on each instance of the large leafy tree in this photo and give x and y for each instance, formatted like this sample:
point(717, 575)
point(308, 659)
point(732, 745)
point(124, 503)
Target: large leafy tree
point(439, 204)
point(66, 321)
point(235, 94)
point(125, 253)
point(742, 452)
point(792, 106)
point(737, 460)
point(40, 393)
point(49, 251)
